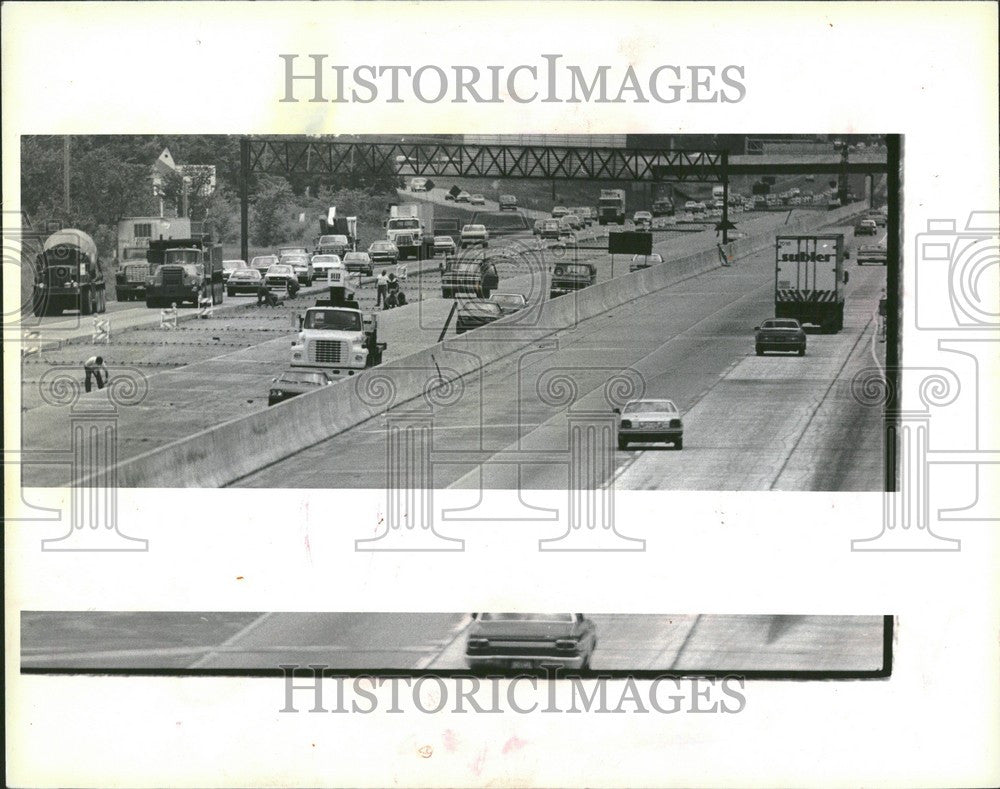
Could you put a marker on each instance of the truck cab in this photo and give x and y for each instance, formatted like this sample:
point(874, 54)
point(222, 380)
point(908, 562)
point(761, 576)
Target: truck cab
point(338, 338)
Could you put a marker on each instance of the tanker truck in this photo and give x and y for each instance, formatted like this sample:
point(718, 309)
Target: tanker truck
point(68, 275)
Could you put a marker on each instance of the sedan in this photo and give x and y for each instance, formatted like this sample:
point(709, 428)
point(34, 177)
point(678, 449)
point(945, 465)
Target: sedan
point(509, 302)
point(643, 219)
point(301, 265)
point(559, 211)
point(326, 265)
point(640, 262)
point(444, 245)
point(780, 334)
point(361, 262)
point(475, 313)
point(647, 421)
point(279, 276)
point(477, 200)
point(244, 280)
point(463, 197)
point(263, 262)
point(866, 227)
point(292, 383)
point(229, 266)
point(383, 252)
point(529, 641)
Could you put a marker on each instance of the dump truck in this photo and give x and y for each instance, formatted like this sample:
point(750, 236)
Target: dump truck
point(134, 236)
point(184, 270)
point(333, 225)
point(68, 275)
point(337, 337)
point(410, 227)
point(611, 207)
point(809, 280)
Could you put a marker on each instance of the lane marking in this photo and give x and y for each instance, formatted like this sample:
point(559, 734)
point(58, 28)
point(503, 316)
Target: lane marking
point(231, 641)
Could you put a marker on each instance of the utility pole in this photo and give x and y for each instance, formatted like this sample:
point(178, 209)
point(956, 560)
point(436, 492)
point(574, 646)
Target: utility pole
point(66, 176)
point(244, 198)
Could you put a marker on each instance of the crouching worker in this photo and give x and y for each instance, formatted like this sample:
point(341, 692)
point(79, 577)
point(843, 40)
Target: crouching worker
point(94, 368)
point(264, 296)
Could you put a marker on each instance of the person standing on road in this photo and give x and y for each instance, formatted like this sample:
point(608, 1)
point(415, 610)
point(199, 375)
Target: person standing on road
point(94, 368)
point(882, 312)
point(381, 288)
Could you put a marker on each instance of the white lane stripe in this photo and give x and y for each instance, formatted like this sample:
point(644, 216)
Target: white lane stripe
point(118, 654)
point(231, 641)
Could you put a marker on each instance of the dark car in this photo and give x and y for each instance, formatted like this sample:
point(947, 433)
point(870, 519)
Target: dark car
point(663, 206)
point(244, 280)
point(509, 303)
point(263, 262)
point(780, 334)
point(335, 244)
point(530, 641)
point(866, 227)
point(360, 262)
point(567, 277)
point(508, 203)
point(476, 277)
point(229, 266)
point(475, 313)
point(382, 252)
point(292, 383)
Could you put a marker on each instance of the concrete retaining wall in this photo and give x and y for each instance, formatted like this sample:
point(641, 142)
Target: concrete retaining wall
point(225, 453)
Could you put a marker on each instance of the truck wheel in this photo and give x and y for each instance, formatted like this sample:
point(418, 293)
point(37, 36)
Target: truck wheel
point(760, 351)
point(87, 302)
point(103, 305)
point(447, 293)
point(622, 444)
point(679, 443)
point(802, 351)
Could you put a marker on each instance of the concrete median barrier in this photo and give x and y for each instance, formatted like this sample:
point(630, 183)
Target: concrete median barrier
point(228, 452)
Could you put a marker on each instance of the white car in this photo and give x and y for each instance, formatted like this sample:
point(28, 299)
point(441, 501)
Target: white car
point(649, 421)
point(642, 218)
point(324, 265)
point(418, 185)
point(475, 235)
point(477, 200)
point(444, 245)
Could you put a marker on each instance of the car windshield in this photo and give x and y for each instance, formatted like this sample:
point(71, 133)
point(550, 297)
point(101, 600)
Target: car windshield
point(232, 265)
point(473, 229)
point(381, 245)
point(338, 320)
point(332, 240)
point(292, 251)
point(246, 274)
point(508, 299)
point(295, 260)
point(566, 618)
point(574, 270)
point(266, 260)
point(326, 259)
point(443, 240)
point(404, 224)
point(302, 377)
point(646, 406)
point(279, 271)
point(467, 268)
point(481, 308)
point(781, 324)
point(355, 256)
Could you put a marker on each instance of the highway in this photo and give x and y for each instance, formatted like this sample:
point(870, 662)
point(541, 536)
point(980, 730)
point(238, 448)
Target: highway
point(751, 423)
point(212, 370)
point(412, 642)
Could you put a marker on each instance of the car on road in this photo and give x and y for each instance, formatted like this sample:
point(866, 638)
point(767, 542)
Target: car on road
point(279, 276)
point(650, 421)
point(584, 213)
point(476, 277)
point(877, 217)
point(866, 227)
point(292, 383)
point(263, 262)
point(444, 245)
point(780, 334)
point(418, 185)
point(229, 266)
point(475, 236)
point(335, 244)
point(575, 221)
point(872, 253)
point(382, 252)
point(568, 277)
point(282, 251)
point(566, 224)
point(244, 280)
point(663, 206)
point(566, 239)
point(515, 641)
point(559, 211)
point(509, 303)
point(324, 264)
point(550, 228)
point(301, 264)
point(473, 313)
point(463, 197)
point(643, 219)
point(508, 203)
point(691, 206)
point(362, 262)
point(699, 207)
point(477, 200)
point(645, 261)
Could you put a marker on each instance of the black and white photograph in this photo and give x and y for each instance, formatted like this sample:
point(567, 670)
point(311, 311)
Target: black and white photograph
point(474, 394)
point(690, 312)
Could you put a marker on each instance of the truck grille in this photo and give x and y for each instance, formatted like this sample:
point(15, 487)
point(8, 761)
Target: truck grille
point(327, 352)
point(173, 276)
point(136, 272)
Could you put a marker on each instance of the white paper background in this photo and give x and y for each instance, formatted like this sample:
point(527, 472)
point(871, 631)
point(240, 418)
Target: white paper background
point(924, 70)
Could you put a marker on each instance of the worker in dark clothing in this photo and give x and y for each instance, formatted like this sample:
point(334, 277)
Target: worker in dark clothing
point(94, 368)
point(293, 288)
point(392, 293)
point(264, 296)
